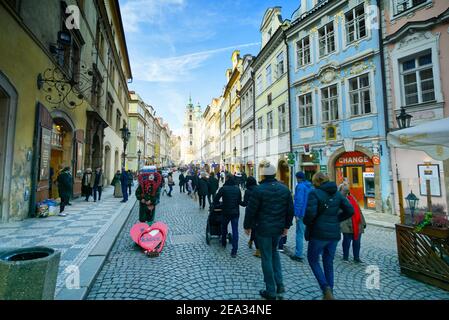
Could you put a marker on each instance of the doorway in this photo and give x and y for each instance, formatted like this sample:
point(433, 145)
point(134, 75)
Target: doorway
point(354, 177)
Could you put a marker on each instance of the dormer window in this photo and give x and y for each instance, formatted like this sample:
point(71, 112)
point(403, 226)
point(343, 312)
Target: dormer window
point(401, 6)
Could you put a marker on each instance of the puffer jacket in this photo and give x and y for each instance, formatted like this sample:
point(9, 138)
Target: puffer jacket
point(270, 209)
point(232, 197)
point(326, 208)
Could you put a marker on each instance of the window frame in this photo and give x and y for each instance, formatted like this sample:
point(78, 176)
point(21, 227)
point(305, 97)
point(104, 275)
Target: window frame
point(298, 104)
point(337, 98)
point(304, 49)
point(359, 91)
point(356, 25)
point(335, 38)
point(394, 5)
point(282, 119)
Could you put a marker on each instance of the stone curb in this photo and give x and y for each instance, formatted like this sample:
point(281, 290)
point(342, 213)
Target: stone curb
point(382, 224)
point(90, 268)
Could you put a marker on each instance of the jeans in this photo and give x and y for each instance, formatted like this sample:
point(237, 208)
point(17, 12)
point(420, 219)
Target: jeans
point(98, 189)
point(299, 237)
point(347, 239)
point(271, 263)
point(170, 191)
point(125, 192)
point(325, 248)
point(235, 231)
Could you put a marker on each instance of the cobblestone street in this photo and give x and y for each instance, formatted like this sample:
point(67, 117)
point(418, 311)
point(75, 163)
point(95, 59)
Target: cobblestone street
point(190, 269)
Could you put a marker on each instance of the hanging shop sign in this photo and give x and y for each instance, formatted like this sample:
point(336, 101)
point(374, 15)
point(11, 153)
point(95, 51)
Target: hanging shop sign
point(45, 154)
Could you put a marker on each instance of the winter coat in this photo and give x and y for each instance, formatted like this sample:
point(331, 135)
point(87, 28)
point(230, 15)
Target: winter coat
point(232, 197)
point(65, 183)
point(301, 195)
point(213, 186)
point(182, 179)
point(124, 178)
point(326, 208)
point(97, 179)
point(248, 194)
point(130, 179)
point(86, 188)
point(346, 225)
point(203, 187)
point(195, 181)
point(270, 209)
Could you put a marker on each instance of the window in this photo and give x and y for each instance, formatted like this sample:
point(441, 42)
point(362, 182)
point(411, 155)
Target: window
point(109, 106)
point(191, 143)
point(260, 125)
point(118, 118)
point(259, 85)
point(401, 6)
point(282, 119)
point(417, 79)
point(355, 24)
point(269, 99)
point(327, 39)
point(269, 123)
point(303, 52)
point(305, 110)
point(191, 130)
point(280, 65)
point(190, 118)
point(359, 95)
point(329, 103)
point(268, 76)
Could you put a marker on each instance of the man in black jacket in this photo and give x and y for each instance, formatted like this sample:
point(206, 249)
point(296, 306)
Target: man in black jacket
point(232, 197)
point(213, 187)
point(182, 181)
point(270, 212)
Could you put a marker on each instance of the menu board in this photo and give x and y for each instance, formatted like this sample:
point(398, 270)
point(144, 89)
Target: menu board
point(44, 171)
point(429, 172)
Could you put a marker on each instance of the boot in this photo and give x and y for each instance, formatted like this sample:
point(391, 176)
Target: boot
point(257, 253)
point(327, 294)
point(250, 244)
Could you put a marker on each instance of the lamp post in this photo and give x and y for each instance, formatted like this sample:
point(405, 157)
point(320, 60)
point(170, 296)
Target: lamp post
point(412, 203)
point(139, 154)
point(125, 137)
point(235, 157)
point(404, 119)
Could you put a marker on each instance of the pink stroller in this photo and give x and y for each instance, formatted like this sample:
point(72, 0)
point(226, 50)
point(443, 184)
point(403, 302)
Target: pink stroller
point(150, 238)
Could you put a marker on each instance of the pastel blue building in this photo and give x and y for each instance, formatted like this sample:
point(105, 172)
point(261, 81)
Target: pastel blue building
point(336, 97)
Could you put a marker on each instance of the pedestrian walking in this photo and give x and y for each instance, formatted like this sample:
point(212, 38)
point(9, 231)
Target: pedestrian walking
point(213, 188)
point(251, 184)
point(203, 190)
point(270, 213)
point(97, 183)
point(117, 185)
point(182, 181)
point(352, 228)
point(65, 184)
point(124, 184)
point(195, 181)
point(171, 184)
point(130, 181)
point(302, 190)
point(86, 188)
point(232, 197)
point(326, 208)
point(148, 193)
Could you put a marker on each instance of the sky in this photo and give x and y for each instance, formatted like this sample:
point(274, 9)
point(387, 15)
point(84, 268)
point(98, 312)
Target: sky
point(183, 47)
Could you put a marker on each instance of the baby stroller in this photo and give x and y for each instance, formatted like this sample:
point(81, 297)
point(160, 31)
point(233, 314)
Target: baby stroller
point(213, 228)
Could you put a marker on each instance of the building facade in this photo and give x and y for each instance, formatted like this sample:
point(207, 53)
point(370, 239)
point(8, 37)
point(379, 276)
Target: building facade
point(272, 106)
point(42, 131)
point(247, 116)
point(211, 136)
point(416, 43)
point(338, 118)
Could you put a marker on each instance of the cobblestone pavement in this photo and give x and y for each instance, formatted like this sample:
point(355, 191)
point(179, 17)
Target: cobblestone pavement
point(189, 269)
point(74, 236)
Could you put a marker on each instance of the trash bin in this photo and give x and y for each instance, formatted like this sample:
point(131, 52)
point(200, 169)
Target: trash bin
point(28, 273)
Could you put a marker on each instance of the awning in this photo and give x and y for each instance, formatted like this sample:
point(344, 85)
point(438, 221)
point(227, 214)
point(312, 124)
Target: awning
point(431, 137)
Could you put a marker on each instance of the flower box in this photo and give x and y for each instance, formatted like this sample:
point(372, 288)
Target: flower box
point(424, 255)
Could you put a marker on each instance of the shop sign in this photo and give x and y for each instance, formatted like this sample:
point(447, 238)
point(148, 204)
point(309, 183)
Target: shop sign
point(371, 203)
point(354, 159)
point(45, 154)
point(376, 160)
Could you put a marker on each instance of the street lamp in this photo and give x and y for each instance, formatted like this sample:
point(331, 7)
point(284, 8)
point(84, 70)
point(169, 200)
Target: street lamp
point(404, 119)
point(412, 202)
point(235, 151)
point(125, 137)
point(139, 154)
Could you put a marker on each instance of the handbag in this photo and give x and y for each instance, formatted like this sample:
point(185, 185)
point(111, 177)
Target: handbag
point(322, 206)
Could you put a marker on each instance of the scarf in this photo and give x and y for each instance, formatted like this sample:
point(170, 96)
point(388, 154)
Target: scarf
point(356, 218)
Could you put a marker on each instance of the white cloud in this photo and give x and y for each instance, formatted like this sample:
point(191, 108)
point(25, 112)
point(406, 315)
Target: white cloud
point(178, 68)
point(135, 12)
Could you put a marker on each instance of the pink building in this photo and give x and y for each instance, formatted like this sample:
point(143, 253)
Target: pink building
point(416, 54)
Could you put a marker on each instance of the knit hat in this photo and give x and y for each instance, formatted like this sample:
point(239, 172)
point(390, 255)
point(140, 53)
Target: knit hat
point(267, 169)
point(301, 175)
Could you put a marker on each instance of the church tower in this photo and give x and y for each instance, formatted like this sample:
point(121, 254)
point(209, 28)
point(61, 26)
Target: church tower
point(191, 133)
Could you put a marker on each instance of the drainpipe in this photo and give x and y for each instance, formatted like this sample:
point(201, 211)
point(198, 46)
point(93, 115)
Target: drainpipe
point(289, 108)
point(35, 162)
point(384, 90)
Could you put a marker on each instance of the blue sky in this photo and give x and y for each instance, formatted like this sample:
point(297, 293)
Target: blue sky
point(178, 47)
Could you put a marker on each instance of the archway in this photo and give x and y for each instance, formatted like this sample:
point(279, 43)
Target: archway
point(8, 106)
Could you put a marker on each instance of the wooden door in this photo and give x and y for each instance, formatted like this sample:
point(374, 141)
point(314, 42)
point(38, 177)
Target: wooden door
point(355, 179)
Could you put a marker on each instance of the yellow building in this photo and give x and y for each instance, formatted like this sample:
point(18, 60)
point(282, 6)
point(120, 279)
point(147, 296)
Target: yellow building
point(211, 138)
point(52, 93)
point(231, 113)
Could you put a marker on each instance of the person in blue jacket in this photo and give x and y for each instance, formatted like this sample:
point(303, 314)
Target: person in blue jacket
point(300, 203)
point(124, 184)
